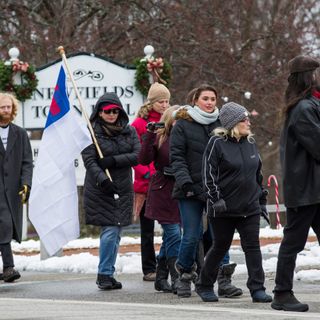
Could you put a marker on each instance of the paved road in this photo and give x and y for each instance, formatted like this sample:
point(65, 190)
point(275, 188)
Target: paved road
point(68, 296)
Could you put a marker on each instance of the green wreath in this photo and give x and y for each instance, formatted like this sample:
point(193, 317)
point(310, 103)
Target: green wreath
point(29, 80)
point(142, 83)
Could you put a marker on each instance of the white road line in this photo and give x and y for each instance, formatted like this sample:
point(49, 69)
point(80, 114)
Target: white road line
point(206, 308)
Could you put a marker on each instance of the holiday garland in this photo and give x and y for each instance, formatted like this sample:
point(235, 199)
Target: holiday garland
point(29, 80)
point(158, 68)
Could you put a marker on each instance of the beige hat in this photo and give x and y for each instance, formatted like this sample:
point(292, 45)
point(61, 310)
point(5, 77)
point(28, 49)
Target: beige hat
point(158, 92)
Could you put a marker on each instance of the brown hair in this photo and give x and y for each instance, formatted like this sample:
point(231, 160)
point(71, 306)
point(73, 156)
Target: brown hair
point(168, 120)
point(300, 86)
point(194, 94)
point(15, 103)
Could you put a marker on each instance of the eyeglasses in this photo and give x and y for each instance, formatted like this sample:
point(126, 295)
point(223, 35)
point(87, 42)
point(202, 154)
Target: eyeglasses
point(113, 111)
point(246, 119)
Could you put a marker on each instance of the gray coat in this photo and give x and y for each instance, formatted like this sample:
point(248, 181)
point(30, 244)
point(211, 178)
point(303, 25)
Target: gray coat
point(15, 171)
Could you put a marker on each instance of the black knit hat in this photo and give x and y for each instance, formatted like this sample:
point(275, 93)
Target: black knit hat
point(302, 64)
point(231, 113)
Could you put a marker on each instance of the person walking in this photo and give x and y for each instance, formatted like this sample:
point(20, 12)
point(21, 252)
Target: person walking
point(120, 147)
point(188, 141)
point(235, 200)
point(300, 162)
point(15, 183)
point(159, 204)
point(157, 102)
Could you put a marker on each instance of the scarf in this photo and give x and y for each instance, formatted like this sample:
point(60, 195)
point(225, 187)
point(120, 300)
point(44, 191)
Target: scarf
point(111, 129)
point(201, 116)
point(316, 94)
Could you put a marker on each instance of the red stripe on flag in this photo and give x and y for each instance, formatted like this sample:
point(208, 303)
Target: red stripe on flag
point(54, 108)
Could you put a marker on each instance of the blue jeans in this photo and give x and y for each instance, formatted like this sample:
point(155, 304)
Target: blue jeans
point(171, 239)
point(191, 212)
point(109, 244)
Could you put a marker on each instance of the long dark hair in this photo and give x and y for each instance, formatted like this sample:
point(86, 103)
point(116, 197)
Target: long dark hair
point(194, 94)
point(300, 86)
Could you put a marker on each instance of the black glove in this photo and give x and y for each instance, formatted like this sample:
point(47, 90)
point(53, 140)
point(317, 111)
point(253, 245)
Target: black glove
point(265, 213)
point(106, 163)
point(25, 193)
point(219, 206)
point(187, 189)
point(109, 187)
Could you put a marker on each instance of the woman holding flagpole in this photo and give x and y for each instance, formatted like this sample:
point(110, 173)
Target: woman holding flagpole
point(120, 146)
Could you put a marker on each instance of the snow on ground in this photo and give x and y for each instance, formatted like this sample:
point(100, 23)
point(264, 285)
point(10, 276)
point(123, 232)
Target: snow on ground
point(308, 261)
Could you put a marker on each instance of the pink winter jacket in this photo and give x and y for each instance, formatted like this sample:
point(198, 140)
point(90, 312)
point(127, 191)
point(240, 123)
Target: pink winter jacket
point(141, 176)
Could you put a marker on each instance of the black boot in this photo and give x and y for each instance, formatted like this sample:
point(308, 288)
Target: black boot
point(286, 301)
point(184, 281)
point(173, 273)
point(162, 273)
point(105, 282)
point(10, 274)
point(225, 287)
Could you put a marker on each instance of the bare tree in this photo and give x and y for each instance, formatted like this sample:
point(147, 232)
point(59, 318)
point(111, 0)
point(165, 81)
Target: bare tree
point(236, 45)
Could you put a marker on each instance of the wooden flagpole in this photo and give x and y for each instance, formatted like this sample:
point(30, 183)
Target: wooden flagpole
point(64, 58)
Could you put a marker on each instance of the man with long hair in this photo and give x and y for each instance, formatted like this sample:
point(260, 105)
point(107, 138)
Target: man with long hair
point(300, 161)
point(15, 181)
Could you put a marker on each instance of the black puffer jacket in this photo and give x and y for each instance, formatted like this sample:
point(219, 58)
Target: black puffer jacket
point(102, 209)
point(300, 154)
point(188, 142)
point(232, 172)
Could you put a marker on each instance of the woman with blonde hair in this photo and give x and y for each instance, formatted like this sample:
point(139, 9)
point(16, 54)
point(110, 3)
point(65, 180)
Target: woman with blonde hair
point(235, 199)
point(160, 206)
point(157, 102)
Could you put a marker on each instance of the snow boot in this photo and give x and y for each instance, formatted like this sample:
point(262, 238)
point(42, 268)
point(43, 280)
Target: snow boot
point(285, 300)
point(225, 288)
point(206, 293)
point(173, 273)
point(185, 279)
point(162, 273)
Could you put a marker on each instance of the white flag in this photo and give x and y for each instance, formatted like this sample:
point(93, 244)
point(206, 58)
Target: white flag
point(53, 204)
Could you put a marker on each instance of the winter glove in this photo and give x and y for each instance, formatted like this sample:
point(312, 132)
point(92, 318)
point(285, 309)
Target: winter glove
point(187, 189)
point(219, 206)
point(108, 187)
point(265, 213)
point(147, 175)
point(24, 193)
point(106, 163)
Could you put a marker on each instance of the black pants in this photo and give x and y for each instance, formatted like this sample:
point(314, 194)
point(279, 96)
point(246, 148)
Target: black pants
point(295, 235)
point(223, 230)
point(148, 256)
point(6, 255)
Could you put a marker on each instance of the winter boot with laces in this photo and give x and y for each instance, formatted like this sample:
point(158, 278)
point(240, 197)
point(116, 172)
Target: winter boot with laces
point(105, 282)
point(285, 300)
point(162, 273)
point(184, 281)
point(225, 288)
point(173, 273)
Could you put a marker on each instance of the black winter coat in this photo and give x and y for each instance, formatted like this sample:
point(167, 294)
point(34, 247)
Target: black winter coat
point(300, 154)
point(15, 171)
point(232, 172)
point(102, 209)
point(187, 145)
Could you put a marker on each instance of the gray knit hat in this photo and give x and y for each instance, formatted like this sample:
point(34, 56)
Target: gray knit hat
point(231, 113)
